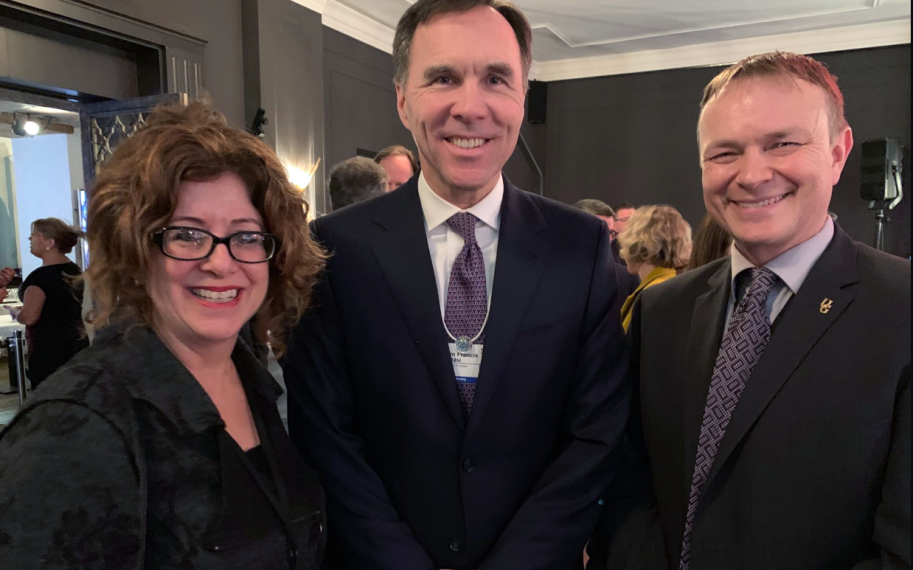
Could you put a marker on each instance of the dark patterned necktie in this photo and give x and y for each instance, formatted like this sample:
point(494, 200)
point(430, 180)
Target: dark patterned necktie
point(741, 348)
point(467, 299)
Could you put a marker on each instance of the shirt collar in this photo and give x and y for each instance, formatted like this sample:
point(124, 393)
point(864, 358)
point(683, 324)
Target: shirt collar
point(791, 266)
point(438, 211)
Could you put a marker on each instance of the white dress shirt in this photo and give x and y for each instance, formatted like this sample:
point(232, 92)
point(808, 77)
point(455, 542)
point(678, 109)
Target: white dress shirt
point(445, 244)
point(792, 267)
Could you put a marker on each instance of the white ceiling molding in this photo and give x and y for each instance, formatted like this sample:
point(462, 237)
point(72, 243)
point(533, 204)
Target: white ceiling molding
point(315, 5)
point(725, 52)
point(356, 25)
point(790, 18)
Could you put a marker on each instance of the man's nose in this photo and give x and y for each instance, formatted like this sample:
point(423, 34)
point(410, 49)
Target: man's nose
point(470, 103)
point(754, 169)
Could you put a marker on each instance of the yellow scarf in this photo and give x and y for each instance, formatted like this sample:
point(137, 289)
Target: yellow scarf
point(655, 277)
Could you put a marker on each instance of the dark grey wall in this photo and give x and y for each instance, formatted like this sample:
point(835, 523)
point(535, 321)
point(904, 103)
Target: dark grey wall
point(217, 22)
point(632, 137)
point(287, 46)
point(206, 29)
point(359, 99)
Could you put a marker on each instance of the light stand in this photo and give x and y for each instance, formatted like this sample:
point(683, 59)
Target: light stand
point(879, 206)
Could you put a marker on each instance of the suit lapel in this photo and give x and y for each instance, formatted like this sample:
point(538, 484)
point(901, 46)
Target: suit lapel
point(704, 338)
point(797, 330)
point(522, 253)
point(402, 251)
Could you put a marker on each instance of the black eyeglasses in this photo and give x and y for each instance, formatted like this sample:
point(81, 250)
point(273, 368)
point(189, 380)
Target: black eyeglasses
point(193, 244)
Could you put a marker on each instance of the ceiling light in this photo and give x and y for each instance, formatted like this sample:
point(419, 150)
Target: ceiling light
point(31, 128)
point(27, 127)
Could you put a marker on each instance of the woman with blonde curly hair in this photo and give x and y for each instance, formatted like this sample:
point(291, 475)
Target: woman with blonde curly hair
point(655, 245)
point(160, 446)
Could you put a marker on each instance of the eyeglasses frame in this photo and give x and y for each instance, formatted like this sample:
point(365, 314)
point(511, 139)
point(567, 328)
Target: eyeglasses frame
point(158, 238)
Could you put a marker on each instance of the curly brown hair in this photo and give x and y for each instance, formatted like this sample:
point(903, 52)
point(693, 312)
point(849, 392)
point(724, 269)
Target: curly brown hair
point(136, 193)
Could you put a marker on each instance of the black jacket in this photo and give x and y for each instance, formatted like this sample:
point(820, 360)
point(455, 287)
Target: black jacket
point(814, 469)
point(115, 463)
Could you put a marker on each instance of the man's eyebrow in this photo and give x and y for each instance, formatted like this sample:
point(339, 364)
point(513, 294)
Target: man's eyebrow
point(500, 68)
point(436, 71)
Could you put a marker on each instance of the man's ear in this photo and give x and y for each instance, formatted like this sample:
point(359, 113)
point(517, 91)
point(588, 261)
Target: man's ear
point(401, 105)
point(840, 150)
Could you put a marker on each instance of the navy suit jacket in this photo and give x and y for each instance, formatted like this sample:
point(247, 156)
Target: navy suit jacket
point(373, 401)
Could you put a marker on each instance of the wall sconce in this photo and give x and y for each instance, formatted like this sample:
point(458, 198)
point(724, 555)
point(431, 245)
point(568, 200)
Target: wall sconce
point(301, 178)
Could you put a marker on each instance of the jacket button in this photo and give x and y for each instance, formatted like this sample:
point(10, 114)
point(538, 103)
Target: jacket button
point(456, 544)
point(467, 466)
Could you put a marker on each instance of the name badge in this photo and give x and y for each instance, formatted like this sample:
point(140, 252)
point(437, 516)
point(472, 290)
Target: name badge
point(466, 364)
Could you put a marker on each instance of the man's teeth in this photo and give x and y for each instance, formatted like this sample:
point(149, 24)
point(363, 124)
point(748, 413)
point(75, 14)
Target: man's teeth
point(217, 297)
point(467, 143)
point(760, 204)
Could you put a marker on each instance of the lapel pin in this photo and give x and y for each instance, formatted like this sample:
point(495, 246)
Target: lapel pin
point(826, 305)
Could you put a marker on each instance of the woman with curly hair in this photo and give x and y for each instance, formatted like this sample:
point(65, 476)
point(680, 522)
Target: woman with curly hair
point(160, 446)
point(655, 245)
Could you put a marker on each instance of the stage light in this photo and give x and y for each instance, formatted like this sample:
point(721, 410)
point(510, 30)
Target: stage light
point(31, 128)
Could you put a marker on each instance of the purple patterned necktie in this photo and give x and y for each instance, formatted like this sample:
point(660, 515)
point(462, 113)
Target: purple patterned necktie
point(740, 350)
point(467, 299)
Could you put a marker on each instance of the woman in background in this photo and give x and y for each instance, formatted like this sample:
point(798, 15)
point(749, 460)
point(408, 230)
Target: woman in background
point(655, 245)
point(51, 300)
point(161, 446)
point(711, 242)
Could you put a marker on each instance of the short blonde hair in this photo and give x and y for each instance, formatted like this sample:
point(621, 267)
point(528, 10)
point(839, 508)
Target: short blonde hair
point(657, 235)
point(137, 191)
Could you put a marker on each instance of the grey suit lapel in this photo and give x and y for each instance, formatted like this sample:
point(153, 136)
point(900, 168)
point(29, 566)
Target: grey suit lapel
point(798, 329)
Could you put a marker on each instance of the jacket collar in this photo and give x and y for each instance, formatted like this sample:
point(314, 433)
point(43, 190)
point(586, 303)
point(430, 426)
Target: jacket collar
point(134, 355)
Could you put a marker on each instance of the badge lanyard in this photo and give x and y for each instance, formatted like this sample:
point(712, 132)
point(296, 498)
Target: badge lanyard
point(281, 507)
point(464, 343)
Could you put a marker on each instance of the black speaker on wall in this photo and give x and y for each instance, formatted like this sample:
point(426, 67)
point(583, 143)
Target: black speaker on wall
point(881, 163)
point(537, 103)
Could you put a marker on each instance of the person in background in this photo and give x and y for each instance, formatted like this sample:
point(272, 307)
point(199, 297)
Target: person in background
point(354, 180)
point(622, 213)
point(656, 246)
point(400, 164)
point(627, 282)
point(51, 300)
point(774, 382)
point(711, 242)
point(160, 446)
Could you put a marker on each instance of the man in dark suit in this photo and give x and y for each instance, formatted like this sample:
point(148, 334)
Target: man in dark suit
point(627, 281)
point(774, 384)
point(432, 454)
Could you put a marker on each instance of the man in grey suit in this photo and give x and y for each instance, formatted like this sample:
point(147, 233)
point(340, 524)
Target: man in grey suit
point(774, 383)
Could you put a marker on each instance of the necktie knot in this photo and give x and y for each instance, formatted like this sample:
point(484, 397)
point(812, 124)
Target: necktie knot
point(464, 224)
point(762, 281)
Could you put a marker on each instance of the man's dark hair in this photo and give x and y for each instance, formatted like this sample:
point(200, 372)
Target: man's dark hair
point(595, 207)
point(625, 206)
point(424, 10)
point(397, 150)
point(354, 180)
